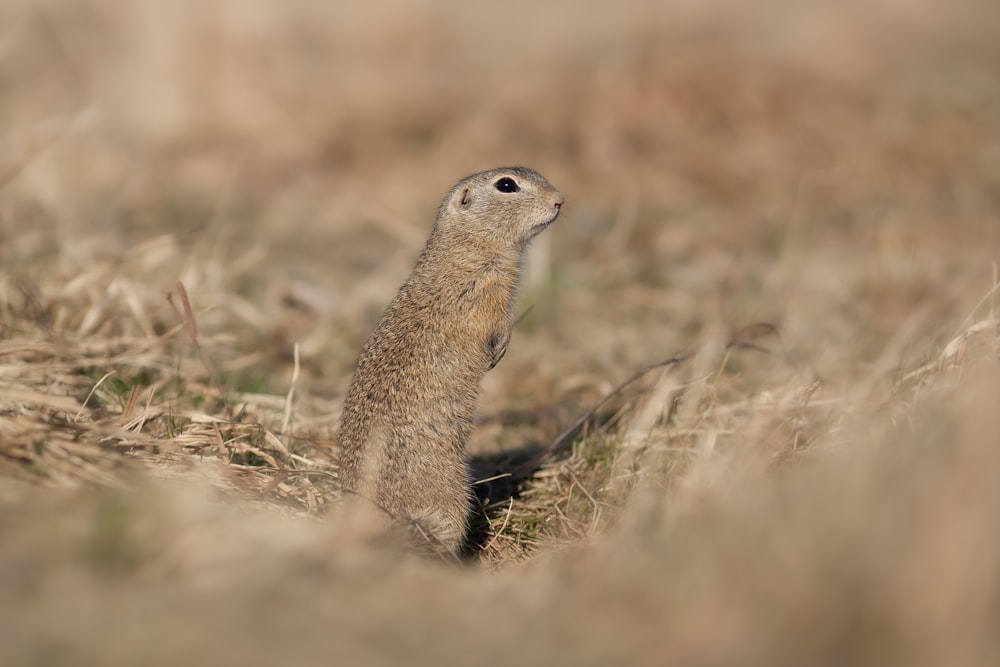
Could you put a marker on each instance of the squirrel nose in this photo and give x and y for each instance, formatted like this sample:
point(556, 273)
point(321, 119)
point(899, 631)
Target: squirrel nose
point(560, 200)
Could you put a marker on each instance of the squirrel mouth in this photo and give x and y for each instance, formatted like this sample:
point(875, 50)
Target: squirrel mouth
point(538, 227)
point(545, 223)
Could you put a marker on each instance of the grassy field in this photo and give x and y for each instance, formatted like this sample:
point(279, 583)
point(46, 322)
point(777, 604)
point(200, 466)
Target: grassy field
point(750, 414)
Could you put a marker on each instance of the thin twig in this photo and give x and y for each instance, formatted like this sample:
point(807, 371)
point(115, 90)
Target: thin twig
point(523, 315)
point(564, 437)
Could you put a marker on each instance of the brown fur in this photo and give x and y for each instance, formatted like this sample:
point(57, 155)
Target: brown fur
point(410, 407)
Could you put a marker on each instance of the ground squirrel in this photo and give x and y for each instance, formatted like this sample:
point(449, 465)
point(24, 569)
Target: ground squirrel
point(410, 407)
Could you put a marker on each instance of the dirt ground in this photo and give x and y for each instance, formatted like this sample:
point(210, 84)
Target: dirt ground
point(749, 415)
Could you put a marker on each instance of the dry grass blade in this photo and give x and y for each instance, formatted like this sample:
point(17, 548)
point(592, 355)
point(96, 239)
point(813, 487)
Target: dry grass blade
point(291, 392)
point(191, 326)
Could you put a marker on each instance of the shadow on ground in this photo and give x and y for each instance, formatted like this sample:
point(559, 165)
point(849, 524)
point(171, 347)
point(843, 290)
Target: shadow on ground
point(497, 478)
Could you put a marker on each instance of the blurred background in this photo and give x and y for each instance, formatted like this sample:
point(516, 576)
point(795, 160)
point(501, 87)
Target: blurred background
point(718, 157)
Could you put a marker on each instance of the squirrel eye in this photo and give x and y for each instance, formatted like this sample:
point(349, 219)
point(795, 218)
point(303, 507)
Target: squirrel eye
point(506, 185)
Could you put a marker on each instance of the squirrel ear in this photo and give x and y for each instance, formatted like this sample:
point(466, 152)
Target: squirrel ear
point(465, 200)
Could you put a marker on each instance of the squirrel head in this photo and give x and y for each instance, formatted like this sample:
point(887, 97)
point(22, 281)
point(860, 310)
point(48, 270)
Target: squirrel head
point(509, 205)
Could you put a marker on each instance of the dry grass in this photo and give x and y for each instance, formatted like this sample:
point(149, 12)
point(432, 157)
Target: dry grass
point(205, 205)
